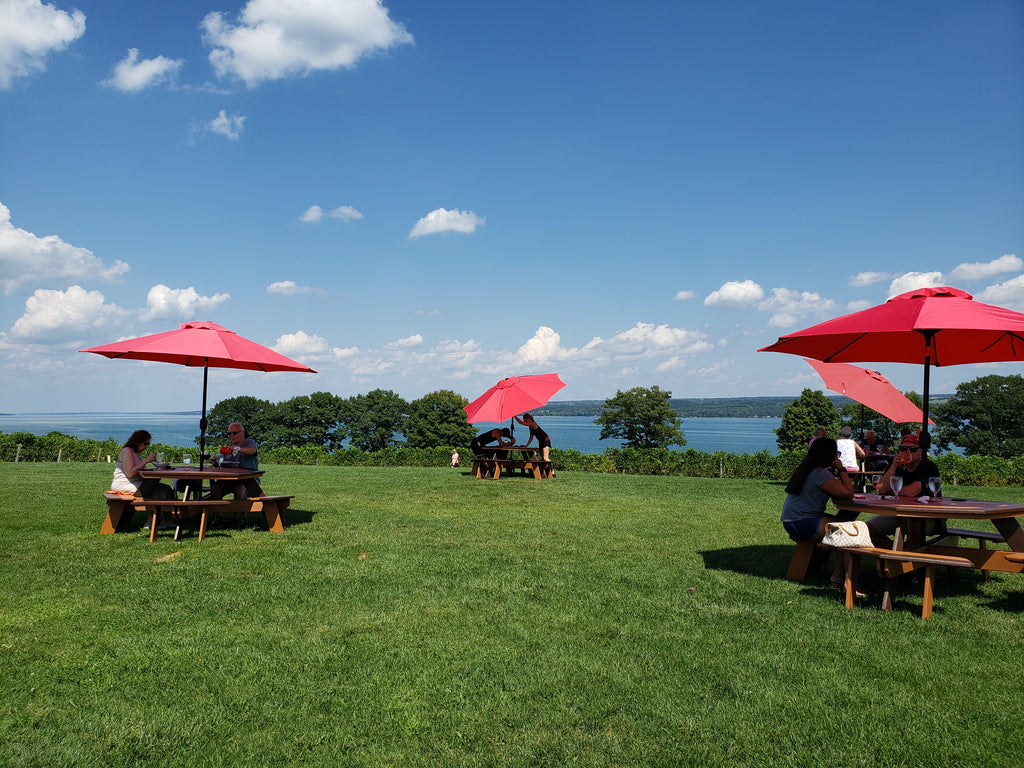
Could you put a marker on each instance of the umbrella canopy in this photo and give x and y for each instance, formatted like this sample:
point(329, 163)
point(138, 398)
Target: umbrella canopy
point(512, 396)
point(869, 388)
point(933, 326)
point(203, 345)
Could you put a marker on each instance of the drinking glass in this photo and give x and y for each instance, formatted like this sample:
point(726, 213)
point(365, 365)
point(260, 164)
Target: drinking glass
point(160, 457)
point(876, 480)
point(935, 485)
point(896, 483)
point(186, 459)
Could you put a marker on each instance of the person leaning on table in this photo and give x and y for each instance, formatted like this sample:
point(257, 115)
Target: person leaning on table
point(915, 468)
point(244, 450)
point(126, 472)
point(819, 477)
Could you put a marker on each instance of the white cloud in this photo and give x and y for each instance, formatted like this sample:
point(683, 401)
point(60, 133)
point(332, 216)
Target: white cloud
point(179, 303)
point(864, 279)
point(788, 306)
point(984, 270)
point(29, 31)
point(1009, 294)
point(272, 40)
point(646, 339)
point(912, 280)
point(301, 343)
point(131, 75)
point(683, 296)
point(290, 288)
point(27, 258)
point(53, 314)
point(407, 343)
point(735, 294)
point(543, 347)
point(344, 212)
point(442, 220)
point(228, 126)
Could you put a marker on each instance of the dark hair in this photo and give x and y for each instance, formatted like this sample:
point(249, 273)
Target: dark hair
point(820, 453)
point(138, 437)
point(506, 432)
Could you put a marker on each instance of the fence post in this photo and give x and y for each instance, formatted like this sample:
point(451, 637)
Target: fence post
point(60, 452)
point(17, 454)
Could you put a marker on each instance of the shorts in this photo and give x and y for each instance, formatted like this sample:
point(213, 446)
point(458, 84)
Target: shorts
point(804, 529)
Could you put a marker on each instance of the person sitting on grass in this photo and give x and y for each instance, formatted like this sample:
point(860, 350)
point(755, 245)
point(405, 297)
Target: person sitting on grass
point(819, 477)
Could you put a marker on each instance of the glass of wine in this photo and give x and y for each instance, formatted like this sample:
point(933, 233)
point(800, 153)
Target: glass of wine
point(186, 459)
point(935, 486)
point(896, 483)
point(876, 481)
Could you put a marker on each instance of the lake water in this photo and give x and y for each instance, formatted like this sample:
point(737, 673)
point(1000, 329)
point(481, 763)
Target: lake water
point(579, 432)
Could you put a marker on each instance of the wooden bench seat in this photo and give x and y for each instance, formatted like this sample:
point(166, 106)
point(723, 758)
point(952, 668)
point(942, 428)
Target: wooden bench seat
point(121, 507)
point(981, 536)
point(926, 559)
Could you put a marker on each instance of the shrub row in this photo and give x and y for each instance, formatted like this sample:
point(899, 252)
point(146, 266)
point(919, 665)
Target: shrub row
point(955, 469)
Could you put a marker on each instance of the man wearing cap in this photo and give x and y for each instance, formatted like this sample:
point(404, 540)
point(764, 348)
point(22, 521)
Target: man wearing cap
point(915, 468)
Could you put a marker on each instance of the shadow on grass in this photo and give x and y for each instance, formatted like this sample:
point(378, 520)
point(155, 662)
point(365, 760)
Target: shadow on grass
point(768, 561)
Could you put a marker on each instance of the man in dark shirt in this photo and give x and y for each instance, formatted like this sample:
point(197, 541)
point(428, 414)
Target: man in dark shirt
point(915, 468)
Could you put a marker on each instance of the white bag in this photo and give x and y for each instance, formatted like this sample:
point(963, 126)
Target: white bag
point(854, 533)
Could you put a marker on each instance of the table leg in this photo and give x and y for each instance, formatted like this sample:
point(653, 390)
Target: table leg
point(1012, 533)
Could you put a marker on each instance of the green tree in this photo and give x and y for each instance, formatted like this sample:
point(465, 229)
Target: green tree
point(803, 416)
point(642, 417)
point(373, 419)
point(309, 420)
point(437, 419)
point(257, 416)
point(984, 417)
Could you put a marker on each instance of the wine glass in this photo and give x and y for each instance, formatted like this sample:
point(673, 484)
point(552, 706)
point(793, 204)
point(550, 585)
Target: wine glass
point(186, 459)
point(876, 481)
point(935, 485)
point(160, 457)
point(896, 483)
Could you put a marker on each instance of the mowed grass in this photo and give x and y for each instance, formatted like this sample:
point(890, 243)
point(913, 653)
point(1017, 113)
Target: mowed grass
point(417, 617)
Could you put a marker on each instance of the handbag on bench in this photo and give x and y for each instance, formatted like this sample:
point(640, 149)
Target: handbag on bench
point(854, 533)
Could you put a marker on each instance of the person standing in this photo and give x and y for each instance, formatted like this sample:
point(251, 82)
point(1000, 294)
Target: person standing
point(849, 451)
point(543, 441)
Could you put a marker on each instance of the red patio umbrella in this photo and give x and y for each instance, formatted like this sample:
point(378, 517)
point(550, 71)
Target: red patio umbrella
point(512, 396)
point(934, 326)
point(201, 344)
point(869, 388)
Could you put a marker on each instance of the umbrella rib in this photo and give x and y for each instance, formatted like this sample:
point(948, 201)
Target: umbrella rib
point(843, 348)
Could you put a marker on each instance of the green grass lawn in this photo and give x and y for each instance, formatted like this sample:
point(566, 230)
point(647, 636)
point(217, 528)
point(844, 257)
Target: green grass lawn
point(417, 617)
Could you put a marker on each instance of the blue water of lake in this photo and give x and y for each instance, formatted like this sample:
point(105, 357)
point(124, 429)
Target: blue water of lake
point(733, 435)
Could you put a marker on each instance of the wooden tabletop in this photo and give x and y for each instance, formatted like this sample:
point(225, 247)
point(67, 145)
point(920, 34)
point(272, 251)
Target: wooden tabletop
point(942, 508)
point(194, 473)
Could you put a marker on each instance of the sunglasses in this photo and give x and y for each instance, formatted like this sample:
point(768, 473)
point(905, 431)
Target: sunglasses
point(236, 432)
point(911, 448)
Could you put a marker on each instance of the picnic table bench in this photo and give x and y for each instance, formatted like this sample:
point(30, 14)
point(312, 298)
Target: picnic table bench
point(527, 461)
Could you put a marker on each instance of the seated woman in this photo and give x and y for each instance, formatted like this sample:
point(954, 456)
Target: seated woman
point(819, 477)
point(126, 472)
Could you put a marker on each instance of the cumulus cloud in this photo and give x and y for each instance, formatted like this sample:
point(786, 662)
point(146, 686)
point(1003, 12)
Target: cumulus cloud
point(29, 31)
point(442, 220)
point(913, 280)
point(230, 127)
point(272, 40)
point(179, 303)
point(290, 288)
point(344, 212)
point(788, 306)
point(301, 343)
point(1009, 294)
point(132, 75)
point(28, 258)
point(735, 294)
point(1009, 262)
point(683, 296)
point(51, 315)
point(864, 279)
point(407, 343)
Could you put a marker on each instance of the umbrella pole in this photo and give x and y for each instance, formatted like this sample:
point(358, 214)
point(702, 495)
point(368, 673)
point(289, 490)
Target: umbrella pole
point(925, 439)
point(202, 421)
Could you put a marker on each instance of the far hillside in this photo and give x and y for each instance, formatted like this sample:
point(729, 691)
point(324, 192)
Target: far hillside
point(702, 407)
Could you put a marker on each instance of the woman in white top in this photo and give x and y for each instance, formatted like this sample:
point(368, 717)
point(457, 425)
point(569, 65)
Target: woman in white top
point(849, 452)
point(129, 462)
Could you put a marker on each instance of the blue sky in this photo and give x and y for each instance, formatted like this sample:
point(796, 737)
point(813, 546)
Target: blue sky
point(419, 196)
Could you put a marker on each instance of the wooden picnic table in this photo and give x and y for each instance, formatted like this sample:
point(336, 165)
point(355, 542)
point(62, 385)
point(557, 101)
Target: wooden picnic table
point(528, 462)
